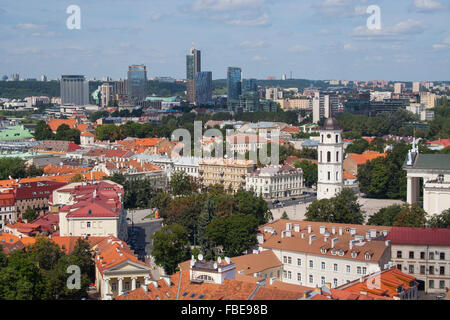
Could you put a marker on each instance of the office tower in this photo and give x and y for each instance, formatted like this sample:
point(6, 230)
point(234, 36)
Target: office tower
point(416, 87)
point(15, 77)
point(283, 77)
point(43, 78)
point(74, 90)
point(107, 95)
point(234, 86)
point(249, 85)
point(203, 88)
point(193, 66)
point(137, 83)
point(398, 88)
point(323, 105)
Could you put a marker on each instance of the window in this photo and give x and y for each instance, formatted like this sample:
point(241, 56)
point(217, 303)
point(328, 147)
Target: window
point(399, 254)
point(348, 269)
point(422, 255)
point(431, 270)
point(364, 270)
point(289, 275)
point(322, 280)
point(337, 138)
point(88, 224)
point(311, 278)
point(328, 156)
point(358, 270)
point(411, 268)
point(127, 286)
point(442, 256)
point(323, 265)
point(311, 264)
point(329, 175)
point(299, 277)
point(411, 254)
point(299, 262)
point(335, 282)
point(290, 260)
point(335, 267)
point(422, 269)
point(441, 270)
point(285, 259)
point(285, 274)
point(337, 156)
point(431, 284)
point(441, 284)
point(431, 256)
point(113, 287)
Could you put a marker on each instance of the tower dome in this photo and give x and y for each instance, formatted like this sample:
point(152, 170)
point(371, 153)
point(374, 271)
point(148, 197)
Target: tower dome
point(331, 124)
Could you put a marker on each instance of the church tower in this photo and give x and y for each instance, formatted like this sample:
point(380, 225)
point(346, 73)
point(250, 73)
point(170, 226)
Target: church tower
point(331, 158)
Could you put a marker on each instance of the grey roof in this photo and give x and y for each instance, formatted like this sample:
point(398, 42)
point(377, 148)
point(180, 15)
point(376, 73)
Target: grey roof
point(432, 161)
point(331, 124)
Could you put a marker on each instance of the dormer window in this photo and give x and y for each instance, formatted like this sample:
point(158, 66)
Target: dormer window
point(367, 256)
point(323, 250)
point(341, 253)
point(333, 252)
point(354, 254)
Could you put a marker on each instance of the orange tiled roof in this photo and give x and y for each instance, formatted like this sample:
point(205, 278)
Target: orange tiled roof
point(444, 142)
point(55, 123)
point(348, 175)
point(51, 169)
point(367, 156)
point(96, 175)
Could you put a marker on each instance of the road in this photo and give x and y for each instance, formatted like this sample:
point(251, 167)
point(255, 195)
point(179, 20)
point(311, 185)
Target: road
point(139, 240)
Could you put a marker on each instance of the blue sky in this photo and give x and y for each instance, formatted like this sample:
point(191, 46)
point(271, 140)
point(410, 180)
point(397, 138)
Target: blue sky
point(315, 39)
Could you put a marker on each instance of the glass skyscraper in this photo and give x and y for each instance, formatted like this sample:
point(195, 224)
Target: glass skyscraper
point(234, 86)
point(249, 85)
point(203, 88)
point(193, 66)
point(137, 82)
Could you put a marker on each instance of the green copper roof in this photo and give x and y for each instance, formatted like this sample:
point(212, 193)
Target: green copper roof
point(15, 133)
point(432, 161)
point(169, 99)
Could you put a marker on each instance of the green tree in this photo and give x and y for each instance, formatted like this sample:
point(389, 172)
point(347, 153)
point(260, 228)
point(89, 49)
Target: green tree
point(284, 216)
point(181, 184)
point(30, 215)
point(170, 247)
point(310, 172)
point(344, 208)
point(42, 131)
point(441, 220)
point(77, 178)
point(206, 217)
point(12, 167)
point(117, 177)
point(411, 216)
point(385, 216)
point(235, 234)
point(45, 253)
point(247, 203)
point(358, 146)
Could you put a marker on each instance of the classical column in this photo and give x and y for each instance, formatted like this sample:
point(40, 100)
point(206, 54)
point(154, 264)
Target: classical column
point(133, 283)
point(120, 287)
point(146, 280)
point(106, 287)
point(409, 190)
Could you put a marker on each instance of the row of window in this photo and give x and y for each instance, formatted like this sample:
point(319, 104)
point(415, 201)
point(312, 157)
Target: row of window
point(441, 284)
point(422, 255)
point(288, 275)
point(359, 269)
point(423, 270)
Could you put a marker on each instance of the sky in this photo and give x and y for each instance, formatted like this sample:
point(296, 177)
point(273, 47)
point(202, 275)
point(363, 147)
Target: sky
point(313, 39)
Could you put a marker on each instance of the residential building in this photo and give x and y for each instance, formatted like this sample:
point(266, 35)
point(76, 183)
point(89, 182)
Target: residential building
point(231, 173)
point(107, 95)
point(87, 138)
point(193, 66)
point(416, 87)
point(439, 144)
point(324, 105)
point(421, 110)
point(275, 182)
point(398, 88)
point(34, 195)
point(55, 147)
point(91, 209)
point(316, 253)
point(8, 213)
point(423, 253)
point(74, 90)
point(428, 99)
point(331, 154)
point(294, 104)
point(241, 143)
point(137, 82)
point(354, 161)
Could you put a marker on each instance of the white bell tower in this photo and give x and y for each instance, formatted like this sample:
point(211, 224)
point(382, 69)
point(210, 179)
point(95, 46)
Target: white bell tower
point(331, 158)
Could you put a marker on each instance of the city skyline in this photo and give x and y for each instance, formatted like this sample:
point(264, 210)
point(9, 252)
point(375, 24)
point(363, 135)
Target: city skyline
point(325, 39)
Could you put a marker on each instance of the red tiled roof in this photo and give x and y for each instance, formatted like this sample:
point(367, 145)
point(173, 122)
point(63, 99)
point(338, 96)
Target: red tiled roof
point(92, 210)
point(32, 190)
point(419, 236)
point(444, 142)
point(55, 123)
point(366, 156)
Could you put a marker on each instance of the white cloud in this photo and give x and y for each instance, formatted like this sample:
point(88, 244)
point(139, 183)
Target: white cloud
point(400, 31)
point(259, 58)
point(226, 5)
point(253, 44)
point(29, 26)
point(260, 21)
point(429, 6)
point(340, 8)
point(299, 48)
point(445, 44)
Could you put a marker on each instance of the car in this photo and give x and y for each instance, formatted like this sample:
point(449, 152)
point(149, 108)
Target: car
point(276, 201)
point(441, 296)
point(293, 198)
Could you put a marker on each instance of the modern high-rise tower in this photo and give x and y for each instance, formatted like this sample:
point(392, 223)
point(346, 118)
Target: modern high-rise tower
point(203, 88)
point(234, 86)
point(193, 66)
point(74, 90)
point(137, 82)
point(331, 158)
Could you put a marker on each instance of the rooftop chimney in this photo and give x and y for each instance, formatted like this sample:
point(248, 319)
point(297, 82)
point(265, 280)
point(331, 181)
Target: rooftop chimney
point(309, 229)
point(334, 241)
point(388, 243)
